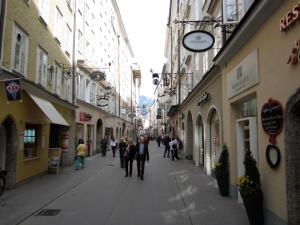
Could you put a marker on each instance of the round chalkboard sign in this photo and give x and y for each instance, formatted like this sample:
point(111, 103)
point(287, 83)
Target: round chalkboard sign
point(272, 119)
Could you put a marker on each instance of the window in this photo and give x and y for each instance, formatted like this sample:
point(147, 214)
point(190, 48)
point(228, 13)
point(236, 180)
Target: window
point(80, 41)
point(58, 24)
point(93, 93)
point(233, 10)
point(57, 79)
point(87, 90)
point(44, 9)
point(71, 4)
point(20, 51)
point(42, 63)
point(67, 88)
point(31, 137)
point(69, 39)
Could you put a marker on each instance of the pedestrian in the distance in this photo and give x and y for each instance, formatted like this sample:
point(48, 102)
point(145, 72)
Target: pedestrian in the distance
point(158, 140)
point(129, 155)
point(174, 148)
point(104, 143)
point(167, 140)
point(113, 144)
point(180, 147)
point(142, 154)
point(80, 155)
point(122, 149)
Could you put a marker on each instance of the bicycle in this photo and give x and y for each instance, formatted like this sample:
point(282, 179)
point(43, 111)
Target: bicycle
point(2, 180)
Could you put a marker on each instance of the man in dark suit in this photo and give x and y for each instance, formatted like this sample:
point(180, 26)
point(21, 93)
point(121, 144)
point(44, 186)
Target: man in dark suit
point(142, 154)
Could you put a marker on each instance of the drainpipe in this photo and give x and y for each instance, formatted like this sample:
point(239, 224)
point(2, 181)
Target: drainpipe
point(73, 56)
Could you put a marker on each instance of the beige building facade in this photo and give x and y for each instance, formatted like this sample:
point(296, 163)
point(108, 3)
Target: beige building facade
point(260, 95)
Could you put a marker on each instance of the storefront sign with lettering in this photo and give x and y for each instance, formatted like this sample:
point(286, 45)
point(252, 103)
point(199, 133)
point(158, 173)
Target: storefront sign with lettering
point(244, 75)
point(203, 98)
point(272, 119)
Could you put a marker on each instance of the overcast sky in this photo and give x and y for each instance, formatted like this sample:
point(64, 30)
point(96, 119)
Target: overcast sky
point(145, 23)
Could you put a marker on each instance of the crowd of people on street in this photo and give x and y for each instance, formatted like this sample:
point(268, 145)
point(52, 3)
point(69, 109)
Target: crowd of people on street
point(173, 145)
point(128, 151)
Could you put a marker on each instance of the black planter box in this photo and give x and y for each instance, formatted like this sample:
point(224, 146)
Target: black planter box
point(254, 207)
point(223, 182)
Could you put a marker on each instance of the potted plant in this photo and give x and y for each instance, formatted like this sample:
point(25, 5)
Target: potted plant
point(250, 189)
point(221, 169)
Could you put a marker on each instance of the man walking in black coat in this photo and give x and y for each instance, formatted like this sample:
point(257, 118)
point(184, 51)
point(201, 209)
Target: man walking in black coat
point(142, 154)
point(167, 141)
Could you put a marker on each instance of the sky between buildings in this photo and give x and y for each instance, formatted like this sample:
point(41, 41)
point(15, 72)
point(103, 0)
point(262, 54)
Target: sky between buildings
point(145, 23)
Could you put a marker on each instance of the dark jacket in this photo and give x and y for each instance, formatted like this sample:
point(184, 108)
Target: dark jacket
point(146, 152)
point(131, 152)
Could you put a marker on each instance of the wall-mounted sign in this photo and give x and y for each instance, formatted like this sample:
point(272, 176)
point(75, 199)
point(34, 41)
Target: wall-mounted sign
point(198, 41)
point(272, 119)
point(203, 98)
point(244, 75)
point(273, 156)
point(290, 18)
point(84, 116)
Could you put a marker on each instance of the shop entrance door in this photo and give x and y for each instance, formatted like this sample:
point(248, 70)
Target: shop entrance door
point(246, 129)
point(90, 139)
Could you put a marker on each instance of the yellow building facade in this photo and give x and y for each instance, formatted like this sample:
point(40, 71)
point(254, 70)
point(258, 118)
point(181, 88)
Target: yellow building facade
point(36, 52)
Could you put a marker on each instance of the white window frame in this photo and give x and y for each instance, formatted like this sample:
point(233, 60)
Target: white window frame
point(23, 53)
point(93, 93)
point(58, 24)
point(68, 39)
point(44, 9)
point(239, 15)
point(80, 41)
point(87, 90)
point(57, 75)
point(42, 64)
point(67, 88)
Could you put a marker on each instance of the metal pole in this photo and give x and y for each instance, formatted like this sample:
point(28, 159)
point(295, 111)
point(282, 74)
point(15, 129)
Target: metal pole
point(178, 57)
point(118, 36)
point(74, 57)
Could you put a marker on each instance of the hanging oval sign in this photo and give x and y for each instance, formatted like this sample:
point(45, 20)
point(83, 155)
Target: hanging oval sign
point(198, 41)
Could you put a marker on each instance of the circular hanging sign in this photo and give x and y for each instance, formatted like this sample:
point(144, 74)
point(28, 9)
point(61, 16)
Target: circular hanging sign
point(272, 119)
point(198, 41)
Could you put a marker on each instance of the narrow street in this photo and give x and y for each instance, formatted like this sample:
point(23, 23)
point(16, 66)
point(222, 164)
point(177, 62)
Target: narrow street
point(172, 193)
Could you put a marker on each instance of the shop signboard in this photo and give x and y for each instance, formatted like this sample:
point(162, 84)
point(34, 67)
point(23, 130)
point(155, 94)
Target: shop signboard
point(244, 75)
point(272, 119)
point(198, 41)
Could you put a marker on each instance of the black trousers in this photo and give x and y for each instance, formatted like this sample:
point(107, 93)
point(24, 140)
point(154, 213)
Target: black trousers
point(140, 163)
point(129, 163)
point(167, 150)
point(174, 153)
point(103, 151)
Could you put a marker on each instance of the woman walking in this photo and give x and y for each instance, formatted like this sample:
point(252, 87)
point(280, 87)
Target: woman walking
point(113, 144)
point(80, 154)
point(129, 157)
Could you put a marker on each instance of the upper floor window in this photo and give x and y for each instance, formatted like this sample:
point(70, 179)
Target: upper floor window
point(233, 10)
point(71, 4)
point(19, 50)
point(67, 89)
point(80, 41)
point(42, 64)
point(93, 93)
point(57, 79)
point(68, 36)
point(44, 9)
point(58, 24)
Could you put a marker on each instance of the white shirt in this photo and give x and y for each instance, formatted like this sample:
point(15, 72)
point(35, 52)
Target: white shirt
point(172, 143)
point(113, 143)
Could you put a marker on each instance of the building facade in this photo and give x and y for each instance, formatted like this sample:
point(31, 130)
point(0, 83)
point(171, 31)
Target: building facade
point(34, 53)
point(236, 93)
point(71, 88)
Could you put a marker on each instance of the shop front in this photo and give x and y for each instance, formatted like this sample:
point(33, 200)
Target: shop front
point(260, 85)
point(28, 128)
